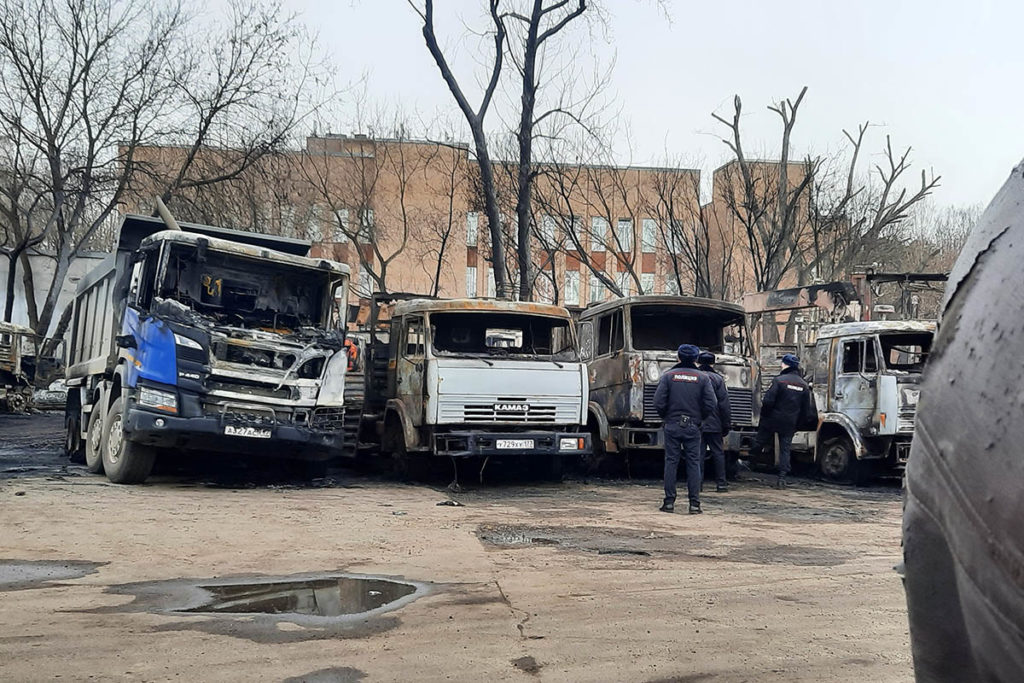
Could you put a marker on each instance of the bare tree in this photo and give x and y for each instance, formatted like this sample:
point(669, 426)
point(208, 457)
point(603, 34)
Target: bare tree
point(767, 199)
point(449, 184)
point(90, 86)
point(475, 119)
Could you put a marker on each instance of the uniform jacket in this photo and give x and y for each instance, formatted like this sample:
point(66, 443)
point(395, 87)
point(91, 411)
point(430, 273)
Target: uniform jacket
point(721, 420)
point(685, 390)
point(787, 404)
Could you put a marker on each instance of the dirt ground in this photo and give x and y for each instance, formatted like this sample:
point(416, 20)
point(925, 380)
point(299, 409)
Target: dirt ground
point(579, 581)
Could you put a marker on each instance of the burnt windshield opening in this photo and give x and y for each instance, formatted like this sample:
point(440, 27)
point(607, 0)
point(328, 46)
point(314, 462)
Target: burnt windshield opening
point(905, 352)
point(665, 328)
point(242, 292)
point(501, 335)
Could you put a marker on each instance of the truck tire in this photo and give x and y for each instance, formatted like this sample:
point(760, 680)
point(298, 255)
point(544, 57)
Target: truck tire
point(124, 461)
point(74, 449)
point(837, 462)
point(94, 441)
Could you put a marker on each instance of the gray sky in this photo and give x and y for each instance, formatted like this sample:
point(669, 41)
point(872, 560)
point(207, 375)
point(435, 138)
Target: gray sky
point(943, 77)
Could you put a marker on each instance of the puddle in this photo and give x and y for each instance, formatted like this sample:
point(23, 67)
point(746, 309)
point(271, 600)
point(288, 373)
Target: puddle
point(274, 609)
point(22, 574)
point(333, 597)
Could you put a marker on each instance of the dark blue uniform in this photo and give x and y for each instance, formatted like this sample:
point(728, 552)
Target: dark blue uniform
point(717, 425)
point(785, 406)
point(684, 399)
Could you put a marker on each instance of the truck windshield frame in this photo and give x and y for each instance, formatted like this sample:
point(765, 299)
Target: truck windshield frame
point(490, 334)
point(905, 352)
point(663, 327)
point(232, 289)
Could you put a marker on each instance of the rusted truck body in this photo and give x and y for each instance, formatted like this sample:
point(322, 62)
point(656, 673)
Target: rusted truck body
point(629, 342)
point(15, 384)
point(205, 338)
point(865, 377)
point(473, 377)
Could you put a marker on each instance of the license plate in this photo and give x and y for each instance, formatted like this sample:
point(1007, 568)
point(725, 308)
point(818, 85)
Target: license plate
point(248, 432)
point(518, 444)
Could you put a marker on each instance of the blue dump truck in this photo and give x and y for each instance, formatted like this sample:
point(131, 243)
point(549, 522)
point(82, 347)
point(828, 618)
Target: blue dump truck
point(208, 339)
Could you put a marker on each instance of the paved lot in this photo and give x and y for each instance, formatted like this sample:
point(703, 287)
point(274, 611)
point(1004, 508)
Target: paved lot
point(580, 581)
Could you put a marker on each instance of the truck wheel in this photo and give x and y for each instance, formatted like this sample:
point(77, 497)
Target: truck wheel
point(837, 462)
point(74, 449)
point(124, 462)
point(94, 441)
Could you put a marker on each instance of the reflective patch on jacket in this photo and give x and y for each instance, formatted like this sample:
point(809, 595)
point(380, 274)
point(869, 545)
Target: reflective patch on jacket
point(684, 377)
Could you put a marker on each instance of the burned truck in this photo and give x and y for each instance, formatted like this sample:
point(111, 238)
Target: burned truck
point(865, 377)
point(628, 343)
point(198, 337)
point(15, 384)
point(478, 378)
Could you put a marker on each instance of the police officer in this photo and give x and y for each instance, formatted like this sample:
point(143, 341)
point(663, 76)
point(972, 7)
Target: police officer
point(785, 406)
point(716, 426)
point(684, 399)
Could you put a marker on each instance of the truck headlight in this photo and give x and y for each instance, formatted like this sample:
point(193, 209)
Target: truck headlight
point(570, 444)
point(744, 376)
point(653, 372)
point(182, 340)
point(166, 401)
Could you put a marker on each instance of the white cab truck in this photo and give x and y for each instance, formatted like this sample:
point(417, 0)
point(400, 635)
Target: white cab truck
point(207, 339)
point(479, 378)
point(865, 377)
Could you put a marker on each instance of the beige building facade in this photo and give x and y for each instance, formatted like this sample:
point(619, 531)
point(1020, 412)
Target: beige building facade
point(407, 216)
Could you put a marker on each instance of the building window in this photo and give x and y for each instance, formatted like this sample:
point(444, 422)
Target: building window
point(649, 236)
point(470, 281)
point(598, 233)
point(624, 234)
point(624, 282)
point(647, 283)
point(341, 225)
point(596, 289)
point(671, 285)
point(472, 228)
point(366, 226)
point(572, 288)
point(544, 289)
point(547, 230)
point(675, 237)
point(492, 289)
point(288, 221)
point(364, 288)
point(313, 231)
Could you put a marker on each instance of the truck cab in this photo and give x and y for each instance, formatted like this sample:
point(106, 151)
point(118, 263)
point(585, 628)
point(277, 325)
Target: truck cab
point(629, 342)
point(865, 377)
point(209, 339)
point(471, 377)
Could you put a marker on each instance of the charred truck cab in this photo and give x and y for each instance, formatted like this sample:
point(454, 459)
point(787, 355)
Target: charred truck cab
point(483, 378)
point(628, 343)
point(865, 377)
point(205, 338)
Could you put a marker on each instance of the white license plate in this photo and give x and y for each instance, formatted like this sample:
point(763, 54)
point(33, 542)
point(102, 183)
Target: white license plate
point(518, 444)
point(248, 432)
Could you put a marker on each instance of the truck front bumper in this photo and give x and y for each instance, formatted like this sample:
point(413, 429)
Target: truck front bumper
point(207, 433)
point(466, 444)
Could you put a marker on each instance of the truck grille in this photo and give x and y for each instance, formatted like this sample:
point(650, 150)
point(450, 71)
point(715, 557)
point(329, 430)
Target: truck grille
point(905, 422)
point(650, 414)
point(328, 419)
point(241, 386)
point(741, 402)
point(504, 409)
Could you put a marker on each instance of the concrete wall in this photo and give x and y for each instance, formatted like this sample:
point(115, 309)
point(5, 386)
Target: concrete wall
point(42, 269)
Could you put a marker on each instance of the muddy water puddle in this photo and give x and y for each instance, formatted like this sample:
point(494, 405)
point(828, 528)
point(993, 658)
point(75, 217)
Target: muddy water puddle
point(332, 597)
point(22, 574)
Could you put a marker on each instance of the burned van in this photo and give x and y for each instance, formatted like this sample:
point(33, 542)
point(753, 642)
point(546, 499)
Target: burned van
point(628, 343)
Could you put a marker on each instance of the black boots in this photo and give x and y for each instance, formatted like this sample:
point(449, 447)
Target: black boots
point(695, 509)
point(667, 507)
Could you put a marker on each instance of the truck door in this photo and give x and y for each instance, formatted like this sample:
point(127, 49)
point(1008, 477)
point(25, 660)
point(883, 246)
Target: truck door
point(608, 385)
point(855, 381)
point(411, 358)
